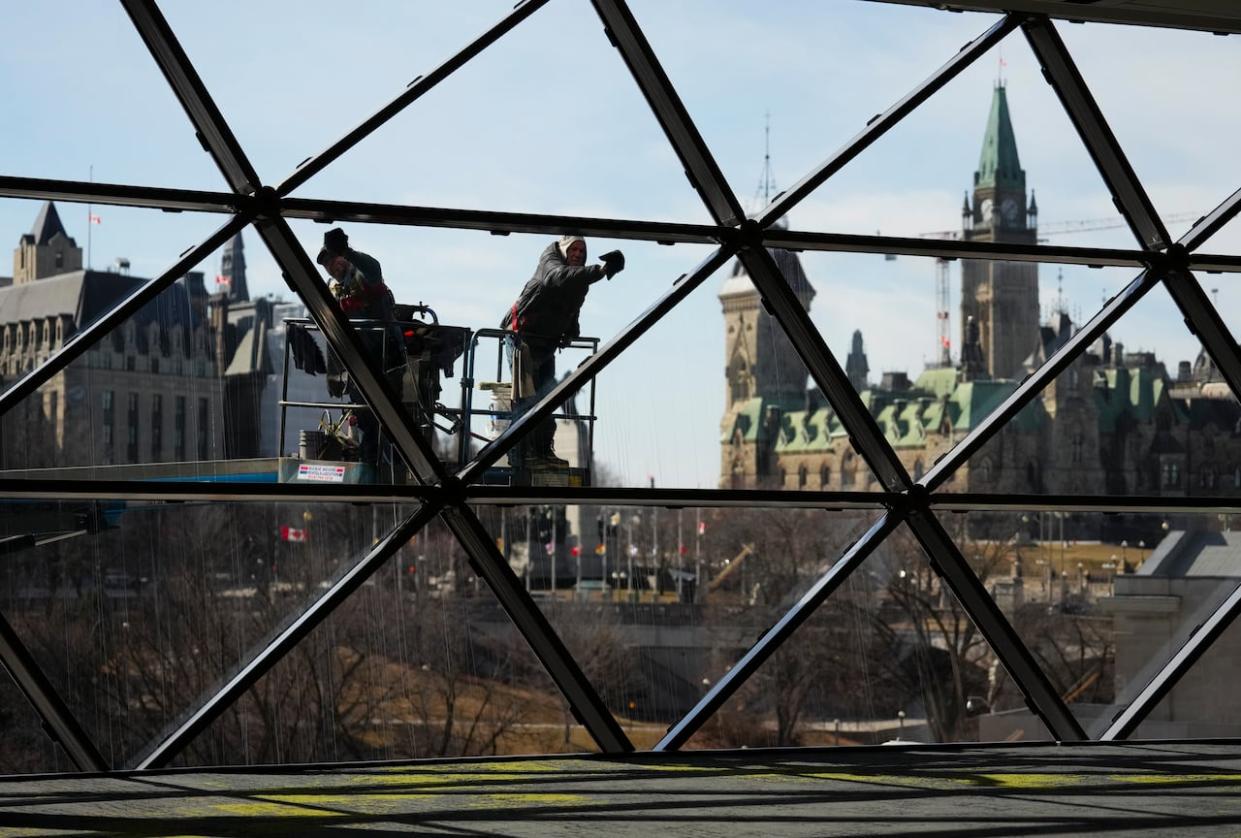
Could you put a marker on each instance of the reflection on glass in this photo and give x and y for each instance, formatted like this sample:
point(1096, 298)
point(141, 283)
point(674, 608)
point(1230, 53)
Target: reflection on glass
point(654, 603)
point(1102, 602)
point(421, 662)
point(134, 610)
point(891, 656)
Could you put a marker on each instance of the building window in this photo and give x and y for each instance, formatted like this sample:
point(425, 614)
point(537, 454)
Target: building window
point(825, 476)
point(157, 428)
point(801, 477)
point(109, 425)
point(1077, 448)
point(846, 471)
point(918, 469)
point(204, 415)
point(60, 258)
point(130, 364)
point(131, 428)
point(155, 365)
point(178, 431)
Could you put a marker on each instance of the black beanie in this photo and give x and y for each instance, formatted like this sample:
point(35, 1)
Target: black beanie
point(335, 240)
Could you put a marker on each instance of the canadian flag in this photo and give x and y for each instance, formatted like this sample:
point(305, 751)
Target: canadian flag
point(702, 527)
point(292, 534)
point(221, 279)
point(93, 219)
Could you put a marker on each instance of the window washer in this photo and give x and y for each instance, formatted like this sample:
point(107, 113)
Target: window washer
point(363, 295)
point(545, 318)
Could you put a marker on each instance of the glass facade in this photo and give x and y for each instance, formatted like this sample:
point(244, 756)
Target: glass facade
point(350, 480)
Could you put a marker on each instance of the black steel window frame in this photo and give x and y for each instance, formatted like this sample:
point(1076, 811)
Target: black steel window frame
point(450, 496)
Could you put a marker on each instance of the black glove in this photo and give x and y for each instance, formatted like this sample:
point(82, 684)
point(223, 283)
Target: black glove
point(613, 263)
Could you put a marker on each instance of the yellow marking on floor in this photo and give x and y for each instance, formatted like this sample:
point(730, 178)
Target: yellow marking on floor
point(497, 801)
point(1032, 781)
point(1175, 779)
point(267, 809)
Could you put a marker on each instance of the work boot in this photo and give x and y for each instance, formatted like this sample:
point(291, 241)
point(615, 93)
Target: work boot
point(546, 460)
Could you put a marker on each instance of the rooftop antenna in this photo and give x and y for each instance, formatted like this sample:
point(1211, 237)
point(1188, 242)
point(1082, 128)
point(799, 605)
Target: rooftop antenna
point(767, 182)
point(1060, 291)
point(1000, 65)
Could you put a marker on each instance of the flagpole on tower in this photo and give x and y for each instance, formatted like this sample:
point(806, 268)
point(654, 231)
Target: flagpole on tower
point(90, 217)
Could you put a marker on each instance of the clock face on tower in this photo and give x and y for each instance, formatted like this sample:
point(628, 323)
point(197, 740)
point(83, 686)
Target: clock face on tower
point(984, 210)
point(1008, 211)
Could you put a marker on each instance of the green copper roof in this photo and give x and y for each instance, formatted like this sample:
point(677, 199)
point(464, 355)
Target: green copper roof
point(999, 166)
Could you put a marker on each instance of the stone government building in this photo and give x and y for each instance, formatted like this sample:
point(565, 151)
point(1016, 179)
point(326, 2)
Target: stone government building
point(185, 379)
point(1112, 422)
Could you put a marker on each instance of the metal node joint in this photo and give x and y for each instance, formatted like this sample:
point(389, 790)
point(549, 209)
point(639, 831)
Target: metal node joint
point(264, 205)
point(1176, 259)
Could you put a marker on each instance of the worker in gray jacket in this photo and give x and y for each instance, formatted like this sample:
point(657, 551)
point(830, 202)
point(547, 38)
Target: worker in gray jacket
point(543, 319)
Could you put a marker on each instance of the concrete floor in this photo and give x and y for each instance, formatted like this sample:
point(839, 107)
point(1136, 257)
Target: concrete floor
point(1152, 788)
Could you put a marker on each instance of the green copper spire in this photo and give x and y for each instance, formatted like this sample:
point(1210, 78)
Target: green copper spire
point(999, 166)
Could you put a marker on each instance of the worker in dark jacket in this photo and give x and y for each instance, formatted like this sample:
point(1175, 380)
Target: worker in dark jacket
point(545, 318)
point(358, 286)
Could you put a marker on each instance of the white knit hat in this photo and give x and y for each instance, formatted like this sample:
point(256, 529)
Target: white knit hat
point(566, 241)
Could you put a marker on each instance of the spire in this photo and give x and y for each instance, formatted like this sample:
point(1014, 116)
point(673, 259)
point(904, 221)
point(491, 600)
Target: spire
point(233, 269)
point(999, 166)
point(47, 225)
point(855, 364)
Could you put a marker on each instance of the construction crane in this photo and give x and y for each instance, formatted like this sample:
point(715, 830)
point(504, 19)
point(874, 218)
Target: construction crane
point(943, 314)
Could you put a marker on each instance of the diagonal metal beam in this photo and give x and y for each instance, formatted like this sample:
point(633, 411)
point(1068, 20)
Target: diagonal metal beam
point(1212, 222)
point(588, 708)
point(700, 167)
point(951, 566)
point(121, 195)
point(301, 275)
point(500, 223)
point(771, 639)
point(417, 453)
point(298, 628)
point(881, 123)
point(1200, 639)
point(88, 337)
point(592, 366)
point(864, 433)
point(1063, 76)
point(57, 720)
point(213, 132)
point(1034, 383)
point(869, 440)
point(1204, 321)
point(311, 166)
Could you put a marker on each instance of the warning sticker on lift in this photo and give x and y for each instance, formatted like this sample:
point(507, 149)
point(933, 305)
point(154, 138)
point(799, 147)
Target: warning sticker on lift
point(320, 473)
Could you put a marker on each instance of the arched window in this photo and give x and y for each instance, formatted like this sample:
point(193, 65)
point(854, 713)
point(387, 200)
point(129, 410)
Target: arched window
point(825, 476)
point(918, 469)
point(801, 476)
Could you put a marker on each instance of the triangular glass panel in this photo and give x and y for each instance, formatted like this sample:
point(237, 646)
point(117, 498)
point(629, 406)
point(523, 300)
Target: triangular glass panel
point(997, 125)
point(891, 657)
point(295, 120)
point(518, 128)
point(1104, 601)
point(1201, 575)
point(420, 662)
point(26, 748)
point(101, 110)
point(774, 53)
point(134, 608)
point(1182, 171)
point(1143, 411)
point(663, 415)
point(200, 384)
point(650, 600)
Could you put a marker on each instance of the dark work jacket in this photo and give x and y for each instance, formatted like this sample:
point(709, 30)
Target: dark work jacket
point(366, 263)
point(547, 309)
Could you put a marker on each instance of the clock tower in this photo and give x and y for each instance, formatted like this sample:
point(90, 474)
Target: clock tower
point(1001, 297)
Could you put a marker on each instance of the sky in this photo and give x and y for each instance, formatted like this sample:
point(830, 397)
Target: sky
point(548, 120)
